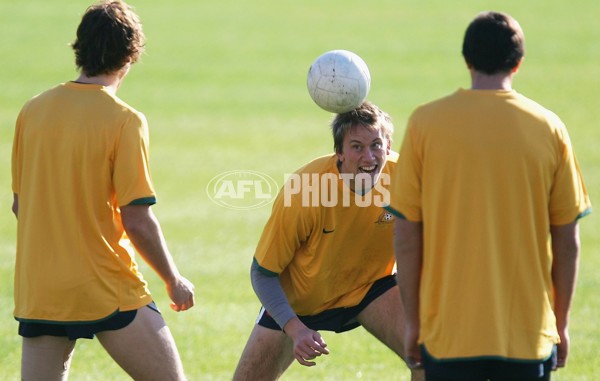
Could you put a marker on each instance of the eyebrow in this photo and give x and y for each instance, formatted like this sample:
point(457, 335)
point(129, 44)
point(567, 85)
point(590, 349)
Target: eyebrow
point(360, 142)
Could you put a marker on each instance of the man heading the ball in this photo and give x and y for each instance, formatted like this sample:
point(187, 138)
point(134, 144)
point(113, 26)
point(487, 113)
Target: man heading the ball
point(325, 259)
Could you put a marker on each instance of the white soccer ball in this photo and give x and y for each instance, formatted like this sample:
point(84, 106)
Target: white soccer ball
point(338, 81)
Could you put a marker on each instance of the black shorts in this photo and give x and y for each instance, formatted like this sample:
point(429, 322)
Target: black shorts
point(76, 331)
point(336, 319)
point(487, 369)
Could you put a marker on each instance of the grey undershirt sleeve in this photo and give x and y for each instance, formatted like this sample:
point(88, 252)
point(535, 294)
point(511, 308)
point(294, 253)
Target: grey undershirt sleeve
point(271, 295)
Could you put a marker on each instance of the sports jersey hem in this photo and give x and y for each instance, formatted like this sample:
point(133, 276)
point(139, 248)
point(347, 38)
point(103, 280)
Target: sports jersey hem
point(584, 213)
point(144, 201)
point(484, 358)
point(43, 321)
point(263, 270)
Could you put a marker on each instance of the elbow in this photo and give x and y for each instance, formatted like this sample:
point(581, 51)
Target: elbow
point(131, 228)
point(135, 227)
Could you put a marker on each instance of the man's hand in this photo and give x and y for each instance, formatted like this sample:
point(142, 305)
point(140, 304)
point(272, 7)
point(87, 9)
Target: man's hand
point(562, 349)
point(308, 344)
point(412, 351)
point(181, 293)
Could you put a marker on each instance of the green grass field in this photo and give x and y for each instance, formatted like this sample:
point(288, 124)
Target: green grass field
point(223, 86)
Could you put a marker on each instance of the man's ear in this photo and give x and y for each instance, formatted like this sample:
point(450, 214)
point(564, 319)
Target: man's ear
point(517, 66)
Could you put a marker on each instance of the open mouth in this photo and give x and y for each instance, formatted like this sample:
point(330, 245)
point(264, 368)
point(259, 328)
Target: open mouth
point(370, 169)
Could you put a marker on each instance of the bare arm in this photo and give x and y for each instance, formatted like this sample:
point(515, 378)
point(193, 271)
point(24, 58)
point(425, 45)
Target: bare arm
point(409, 257)
point(145, 233)
point(565, 264)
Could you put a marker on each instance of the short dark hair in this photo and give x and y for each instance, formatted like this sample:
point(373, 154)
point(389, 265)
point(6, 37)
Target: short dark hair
point(109, 35)
point(366, 115)
point(493, 43)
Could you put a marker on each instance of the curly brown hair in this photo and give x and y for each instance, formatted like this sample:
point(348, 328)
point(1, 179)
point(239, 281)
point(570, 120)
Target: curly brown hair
point(109, 36)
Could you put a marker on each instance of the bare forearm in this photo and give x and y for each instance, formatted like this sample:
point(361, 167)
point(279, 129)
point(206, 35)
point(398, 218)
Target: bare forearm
point(408, 250)
point(143, 229)
point(145, 233)
point(565, 250)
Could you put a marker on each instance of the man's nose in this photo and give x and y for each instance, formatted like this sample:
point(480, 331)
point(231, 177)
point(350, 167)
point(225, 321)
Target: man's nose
point(369, 154)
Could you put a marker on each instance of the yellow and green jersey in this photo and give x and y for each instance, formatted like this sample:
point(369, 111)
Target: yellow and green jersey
point(79, 152)
point(327, 256)
point(487, 173)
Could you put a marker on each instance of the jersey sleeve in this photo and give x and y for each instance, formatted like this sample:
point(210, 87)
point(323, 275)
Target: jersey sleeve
point(287, 228)
point(131, 172)
point(569, 199)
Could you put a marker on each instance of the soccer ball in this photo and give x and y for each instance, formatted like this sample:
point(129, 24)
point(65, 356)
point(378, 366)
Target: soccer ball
point(338, 81)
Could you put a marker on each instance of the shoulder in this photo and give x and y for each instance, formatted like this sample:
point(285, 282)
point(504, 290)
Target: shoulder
point(390, 163)
point(43, 96)
point(433, 110)
point(322, 164)
point(457, 96)
point(392, 158)
point(538, 111)
point(128, 111)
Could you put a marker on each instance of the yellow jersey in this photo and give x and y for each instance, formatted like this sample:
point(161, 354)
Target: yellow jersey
point(327, 244)
point(487, 173)
point(79, 152)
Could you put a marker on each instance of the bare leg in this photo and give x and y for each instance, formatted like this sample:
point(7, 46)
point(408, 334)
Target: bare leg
point(267, 355)
point(145, 349)
point(384, 319)
point(46, 358)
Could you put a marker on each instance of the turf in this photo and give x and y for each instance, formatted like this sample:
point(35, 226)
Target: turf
point(223, 87)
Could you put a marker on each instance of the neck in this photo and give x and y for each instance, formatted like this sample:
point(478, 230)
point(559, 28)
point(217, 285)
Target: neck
point(482, 81)
point(111, 81)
